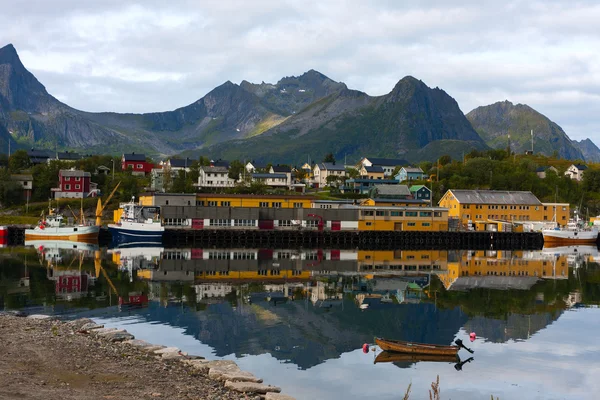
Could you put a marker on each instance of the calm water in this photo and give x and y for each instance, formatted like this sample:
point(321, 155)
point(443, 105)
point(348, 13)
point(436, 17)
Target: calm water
point(298, 319)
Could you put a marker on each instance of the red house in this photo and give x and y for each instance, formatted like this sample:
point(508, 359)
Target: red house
point(73, 183)
point(136, 163)
point(71, 285)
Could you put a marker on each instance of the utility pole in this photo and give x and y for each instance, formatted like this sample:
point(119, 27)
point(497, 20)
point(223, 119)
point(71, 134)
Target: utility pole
point(113, 169)
point(532, 142)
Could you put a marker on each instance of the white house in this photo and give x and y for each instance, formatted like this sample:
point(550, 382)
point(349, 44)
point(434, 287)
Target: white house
point(253, 167)
point(272, 180)
point(322, 170)
point(575, 171)
point(214, 177)
point(282, 169)
point(388, 164)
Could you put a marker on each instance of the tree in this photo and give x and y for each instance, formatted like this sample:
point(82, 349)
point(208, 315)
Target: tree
point(445, 159)
point(352, 173)
point(18, 161)
point(236, 168)
point(332, 180)
point(300, 174)
point(329, 157)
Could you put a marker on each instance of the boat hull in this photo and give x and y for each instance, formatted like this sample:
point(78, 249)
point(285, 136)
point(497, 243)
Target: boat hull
point(86, 234)
point(399, 346)
point(122, 234)
point(564, 238)
point(388, 356)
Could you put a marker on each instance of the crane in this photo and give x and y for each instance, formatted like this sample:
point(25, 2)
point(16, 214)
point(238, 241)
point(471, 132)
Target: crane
point(100, 207)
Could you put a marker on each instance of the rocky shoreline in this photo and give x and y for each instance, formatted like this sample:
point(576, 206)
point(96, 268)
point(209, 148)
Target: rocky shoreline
point(45, 358)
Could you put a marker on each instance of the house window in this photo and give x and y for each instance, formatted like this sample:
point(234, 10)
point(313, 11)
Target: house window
point(263, 204)
point(368, 224)
point(225, 204)
point(77, 186)
point(410, 213)
point(367, 213)
point(67, 178)
point(285, 222)
point(425, 214)
point(212, 203)
point(298, 205)
point(243, 222)
point(396, 213)
point(220, 222)
point(412, 224)
point(276, 204)
point(381, 213)
point(139, 166)
point(437, 213)
point(77, 179)
point(425, 224)
point(67, 187)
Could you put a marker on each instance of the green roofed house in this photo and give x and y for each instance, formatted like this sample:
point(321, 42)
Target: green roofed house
point(420, 192)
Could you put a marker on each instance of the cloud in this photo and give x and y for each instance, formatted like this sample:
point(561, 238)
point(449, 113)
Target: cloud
point(154, 55)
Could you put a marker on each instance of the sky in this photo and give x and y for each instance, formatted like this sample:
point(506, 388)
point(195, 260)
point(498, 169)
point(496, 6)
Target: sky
point(156, 55)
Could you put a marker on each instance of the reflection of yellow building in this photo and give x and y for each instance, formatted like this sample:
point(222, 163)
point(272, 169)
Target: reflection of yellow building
point(482, 206)
point(402, 260)
point(509, 264)
point(403, 219)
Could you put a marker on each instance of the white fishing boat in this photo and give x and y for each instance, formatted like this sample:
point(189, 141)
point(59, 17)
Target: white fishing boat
point(54, 227)
point(576, 232)
point(137, 225)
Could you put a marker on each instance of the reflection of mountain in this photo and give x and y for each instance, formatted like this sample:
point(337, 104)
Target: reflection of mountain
point(305, 335)
point(515, 326)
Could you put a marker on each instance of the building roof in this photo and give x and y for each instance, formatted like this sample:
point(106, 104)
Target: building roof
point(387, 162)
point(21, 177)
point(580, 167)
point(134, 157)
point(374, 169)
point(220, 163)
point(74, 172)
point(540, 169)
point(392, 190)
point(252, 196)
point(416, 188)
point(413, 170)
point(39, 153)
point(281, 168)
point(268, 176)
point(102, 168)
point(257, 165)
point(495, 197)
point(331, 166)
point(215, 169)
point(179, 163)
point(68, 156)
point(366, 180)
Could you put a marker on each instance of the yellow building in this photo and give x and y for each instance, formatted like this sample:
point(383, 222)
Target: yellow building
point(373, 172)
point(484, 206)
point(402, 219)
point(510, 264)
point(251, 200)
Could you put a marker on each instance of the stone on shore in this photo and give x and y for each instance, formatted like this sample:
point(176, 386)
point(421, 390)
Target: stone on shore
point(278, 396)
point(39, 316)
point(166, 350)
point(107, 333)
point(79, 323)
point(102, 331)
point(90, 326)
point(139, 343)
point(233, 376)
point(251, 387)
point(119, 336)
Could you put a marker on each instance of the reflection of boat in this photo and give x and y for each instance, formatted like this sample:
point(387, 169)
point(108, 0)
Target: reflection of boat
point(574, 233)
point(388, 356)
point(399, 346)
point(570, 250)
point(53, 227)
point(136, 225)
point(61, 245)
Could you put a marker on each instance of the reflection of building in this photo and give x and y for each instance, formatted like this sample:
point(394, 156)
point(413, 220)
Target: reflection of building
point(502, 269)
point(70, 284)
point(211, 290)
point(409, 261)
point(325, 294)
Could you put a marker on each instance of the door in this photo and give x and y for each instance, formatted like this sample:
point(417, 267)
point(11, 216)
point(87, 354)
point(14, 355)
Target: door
point(398, 226)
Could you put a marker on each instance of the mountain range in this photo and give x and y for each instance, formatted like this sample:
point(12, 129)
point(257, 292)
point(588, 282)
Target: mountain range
point(289, 121)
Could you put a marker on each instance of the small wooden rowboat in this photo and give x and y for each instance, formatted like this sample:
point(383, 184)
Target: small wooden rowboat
point(399, 346)
point(388, 356)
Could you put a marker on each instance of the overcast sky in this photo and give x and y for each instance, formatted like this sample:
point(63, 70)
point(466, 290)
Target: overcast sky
point(114, 55)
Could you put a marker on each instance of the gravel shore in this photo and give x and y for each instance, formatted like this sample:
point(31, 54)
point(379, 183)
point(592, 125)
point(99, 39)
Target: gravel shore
point(54, 360)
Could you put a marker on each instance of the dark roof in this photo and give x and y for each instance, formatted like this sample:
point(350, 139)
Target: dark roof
point(374, 169)
point(68, 156)
point(215, 169)
point(580, 167)
point(392, 190)
point(178, 163)
point(404, 201)
point(365, 180)
point(540, 169)
point(495, 197)
point(332, 167)
point(258, 165)
point(388, 162)
point(220, 163)
point(39, 153)
point(266, 176)
point(281, 168)
point(134, 157)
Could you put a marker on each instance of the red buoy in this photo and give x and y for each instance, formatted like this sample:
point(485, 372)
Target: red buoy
point(365, 348)
point(472, 336)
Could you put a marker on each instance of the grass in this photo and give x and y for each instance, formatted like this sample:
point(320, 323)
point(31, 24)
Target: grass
point(18, 220)
point(266, 124)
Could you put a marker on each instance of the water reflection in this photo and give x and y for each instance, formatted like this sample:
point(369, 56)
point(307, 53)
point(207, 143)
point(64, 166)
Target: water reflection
point(308, 306)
